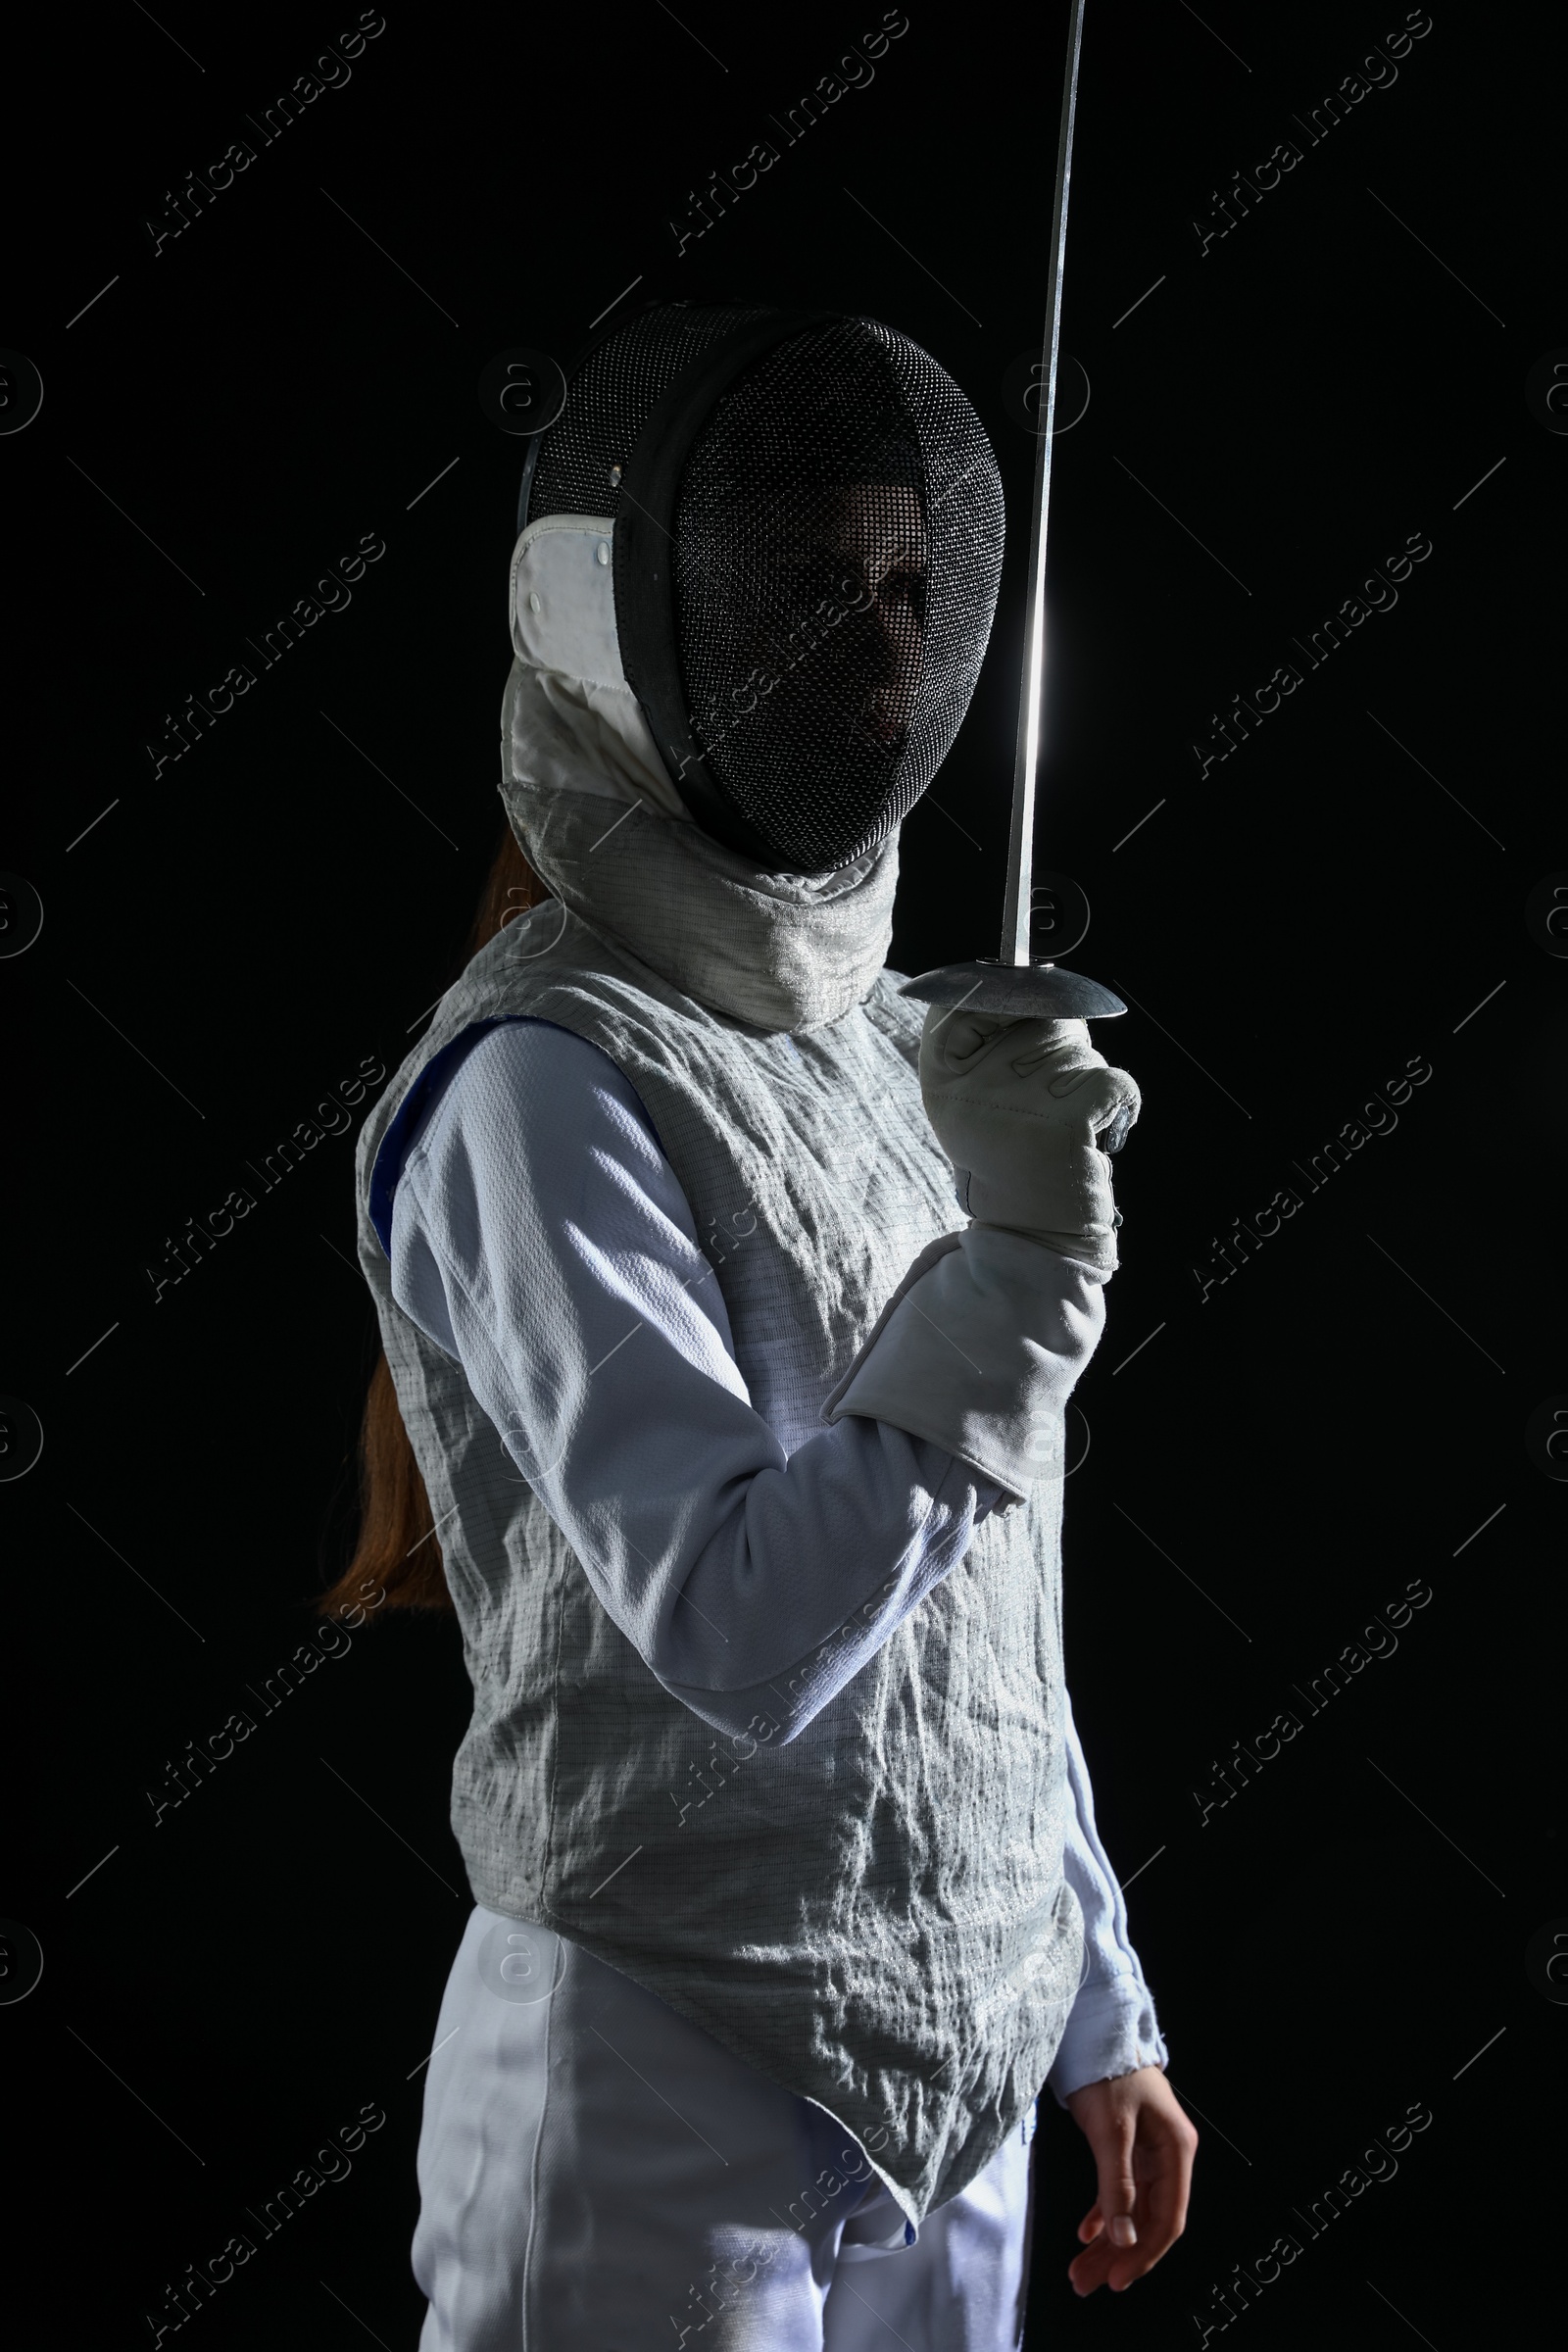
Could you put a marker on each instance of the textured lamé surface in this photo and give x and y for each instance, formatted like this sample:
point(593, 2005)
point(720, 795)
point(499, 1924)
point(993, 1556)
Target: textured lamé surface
point(875, 1915)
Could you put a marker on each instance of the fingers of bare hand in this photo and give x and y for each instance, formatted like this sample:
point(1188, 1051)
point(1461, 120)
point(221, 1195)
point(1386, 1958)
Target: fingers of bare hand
point(1116, 2267)
point(1118, 2186)
point(1101, 2265)
point(1158, 2206)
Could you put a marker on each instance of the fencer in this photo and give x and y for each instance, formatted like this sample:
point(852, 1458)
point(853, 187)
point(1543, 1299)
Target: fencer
point(732, 1312)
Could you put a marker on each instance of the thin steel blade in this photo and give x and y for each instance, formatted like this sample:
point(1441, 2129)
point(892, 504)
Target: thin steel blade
point(1031, 702)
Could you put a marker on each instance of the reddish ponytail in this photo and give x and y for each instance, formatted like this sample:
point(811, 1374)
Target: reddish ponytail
point(397, 1559)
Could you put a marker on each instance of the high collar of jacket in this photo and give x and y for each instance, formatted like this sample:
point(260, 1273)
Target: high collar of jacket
point(599, 821)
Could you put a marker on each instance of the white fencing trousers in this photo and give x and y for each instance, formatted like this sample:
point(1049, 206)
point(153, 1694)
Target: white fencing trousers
point(596, 2175)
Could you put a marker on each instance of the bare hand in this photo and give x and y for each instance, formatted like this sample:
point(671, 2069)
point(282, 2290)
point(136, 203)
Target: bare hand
point(1144, 2147)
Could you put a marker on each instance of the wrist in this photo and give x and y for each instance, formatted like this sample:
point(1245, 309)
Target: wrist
point(1094, 1250)
point(1111, 2032)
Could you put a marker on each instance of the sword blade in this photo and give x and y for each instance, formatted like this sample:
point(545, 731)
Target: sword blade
point(1031, 700)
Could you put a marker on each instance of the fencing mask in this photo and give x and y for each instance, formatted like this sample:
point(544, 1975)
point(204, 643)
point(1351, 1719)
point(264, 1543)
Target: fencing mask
point(807, 547)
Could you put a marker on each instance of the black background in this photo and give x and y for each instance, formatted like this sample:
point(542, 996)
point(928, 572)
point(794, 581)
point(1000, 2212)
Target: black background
point(237, 934)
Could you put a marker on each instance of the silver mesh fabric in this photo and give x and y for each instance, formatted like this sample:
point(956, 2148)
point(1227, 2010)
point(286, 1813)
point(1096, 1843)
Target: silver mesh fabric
point(875, 1916)
point(838, 552)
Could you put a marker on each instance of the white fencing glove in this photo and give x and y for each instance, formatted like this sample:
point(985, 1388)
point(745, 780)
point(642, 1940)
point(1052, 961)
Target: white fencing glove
point(979, 1347)
point(1019, 1108)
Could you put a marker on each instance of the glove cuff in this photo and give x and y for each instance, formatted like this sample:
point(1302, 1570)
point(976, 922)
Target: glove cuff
point(1094, 1252)
point(978, 1351)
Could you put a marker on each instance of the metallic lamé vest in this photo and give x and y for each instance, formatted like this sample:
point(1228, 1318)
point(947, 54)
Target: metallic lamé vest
point(873, 1916)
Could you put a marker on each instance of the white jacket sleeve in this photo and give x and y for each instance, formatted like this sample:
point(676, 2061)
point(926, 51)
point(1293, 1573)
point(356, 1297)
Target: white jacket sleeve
point(1112, 2028)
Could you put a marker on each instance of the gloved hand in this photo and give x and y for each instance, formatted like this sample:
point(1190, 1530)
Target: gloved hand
point(1020, 1108)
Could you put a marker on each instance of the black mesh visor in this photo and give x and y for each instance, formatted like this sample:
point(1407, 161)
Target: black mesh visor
point(609, 400)
point(838, 550)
